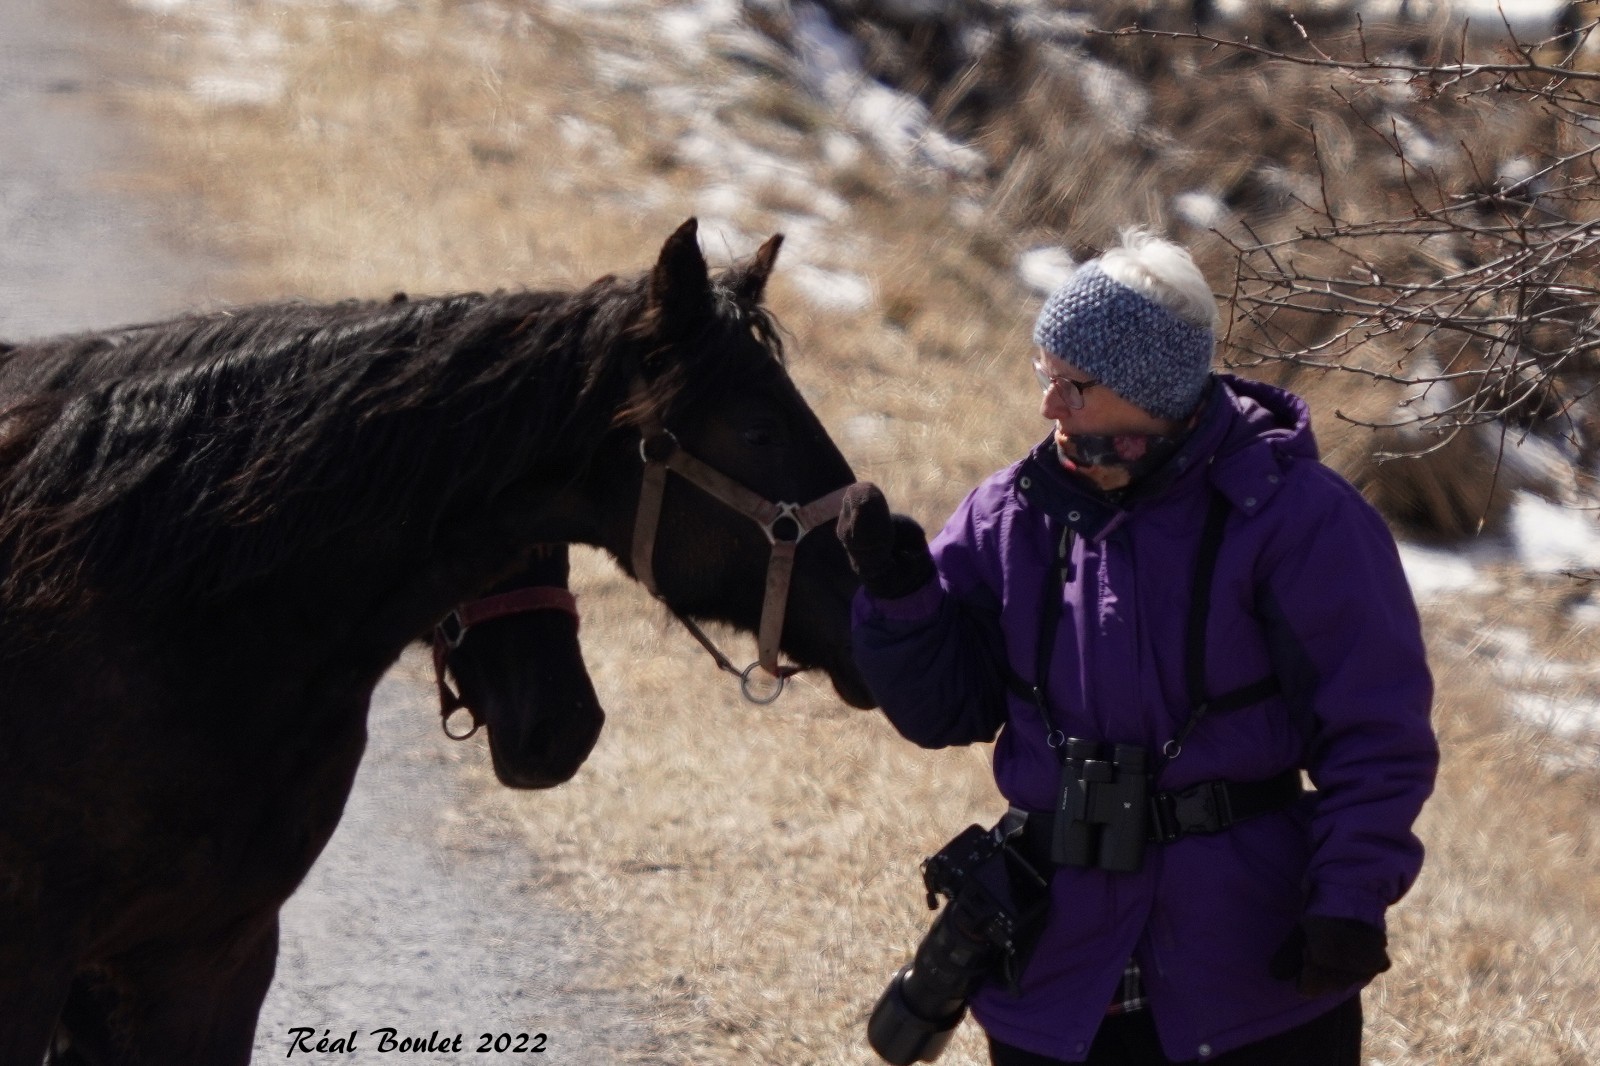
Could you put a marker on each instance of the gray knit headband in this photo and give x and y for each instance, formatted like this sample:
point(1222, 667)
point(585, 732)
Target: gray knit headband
point(1135, 347)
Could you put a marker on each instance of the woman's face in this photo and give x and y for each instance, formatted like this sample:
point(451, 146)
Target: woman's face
point(1103, 413)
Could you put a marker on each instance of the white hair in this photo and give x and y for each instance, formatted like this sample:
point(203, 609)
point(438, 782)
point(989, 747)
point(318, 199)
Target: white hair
point(1165, 272)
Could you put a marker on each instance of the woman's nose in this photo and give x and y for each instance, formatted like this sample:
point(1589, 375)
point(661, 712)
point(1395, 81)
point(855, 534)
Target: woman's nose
point(1051, 405)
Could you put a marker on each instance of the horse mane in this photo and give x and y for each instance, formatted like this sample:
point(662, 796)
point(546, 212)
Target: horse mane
point(192, 456)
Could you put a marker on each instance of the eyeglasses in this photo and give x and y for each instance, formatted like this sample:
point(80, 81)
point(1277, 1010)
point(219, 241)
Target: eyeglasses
point(1071, 392)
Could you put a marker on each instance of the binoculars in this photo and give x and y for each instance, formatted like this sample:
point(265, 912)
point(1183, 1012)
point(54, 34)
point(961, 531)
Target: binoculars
point(1102, 817)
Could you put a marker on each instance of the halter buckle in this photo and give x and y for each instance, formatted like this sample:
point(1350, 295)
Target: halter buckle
point(452, 630)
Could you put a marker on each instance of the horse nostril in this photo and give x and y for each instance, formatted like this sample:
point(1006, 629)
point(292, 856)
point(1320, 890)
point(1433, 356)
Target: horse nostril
point(786, 529)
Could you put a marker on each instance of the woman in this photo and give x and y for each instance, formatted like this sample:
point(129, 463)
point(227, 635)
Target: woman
point(1173, 571)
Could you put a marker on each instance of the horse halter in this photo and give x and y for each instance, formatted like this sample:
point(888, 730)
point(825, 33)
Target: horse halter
point(783, 523)
point(448, 634)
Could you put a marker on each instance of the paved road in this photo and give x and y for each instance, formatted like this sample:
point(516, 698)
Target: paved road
point(73, 253)
point(416, 921)
point(412, 920)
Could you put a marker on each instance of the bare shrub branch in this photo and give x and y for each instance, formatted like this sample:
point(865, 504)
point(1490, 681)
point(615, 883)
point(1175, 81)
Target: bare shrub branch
point(1473, 285)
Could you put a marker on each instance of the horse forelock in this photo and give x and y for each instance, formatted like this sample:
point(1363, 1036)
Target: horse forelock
point(718, 354)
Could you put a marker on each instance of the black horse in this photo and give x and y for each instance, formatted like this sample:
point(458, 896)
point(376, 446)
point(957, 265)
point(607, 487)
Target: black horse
point(514, 655)
point(207, 563)
point(515, 658)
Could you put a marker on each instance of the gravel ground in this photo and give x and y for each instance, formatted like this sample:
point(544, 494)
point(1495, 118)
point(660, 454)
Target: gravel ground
point(413, 921)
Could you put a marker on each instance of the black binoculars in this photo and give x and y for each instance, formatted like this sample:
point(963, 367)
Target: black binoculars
point(1102, 817)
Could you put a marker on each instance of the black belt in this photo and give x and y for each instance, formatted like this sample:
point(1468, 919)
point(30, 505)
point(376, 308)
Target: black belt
point(1208, 807)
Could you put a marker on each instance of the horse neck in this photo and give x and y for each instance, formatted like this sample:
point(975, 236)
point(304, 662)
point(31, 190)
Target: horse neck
point(455, 520)
point(406, 475)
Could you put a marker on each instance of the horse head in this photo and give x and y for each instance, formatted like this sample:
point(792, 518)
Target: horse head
point(517, 663)
point(711, 390)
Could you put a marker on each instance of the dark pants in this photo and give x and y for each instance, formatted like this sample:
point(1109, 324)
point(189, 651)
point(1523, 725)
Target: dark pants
point(1333, 1039)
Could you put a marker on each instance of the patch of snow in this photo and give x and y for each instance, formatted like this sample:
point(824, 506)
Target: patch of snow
point(807, 239)
point(1537, 462)
point(578, 133)
point(676, 99)
point(1044, 269)
point(619, 72)
point(1548, 537)
point(1524, 15)
point(1430, 395)
point(1203, 210)
point(1034, 21)
point(689, 28)
point(840, 150)
point(833, 290)
point(1515, 660)
point(244, 65)
point(723, 238)
point(900, 125)
point(866, 430)
point(595, 7)
point(968, 212)
point(1113, 94)
point(720, 152)
point(1418, 147)
point(242, 87)
point(727, 201)
point(1570, 719)
point(825, 204)
point(1436, 574)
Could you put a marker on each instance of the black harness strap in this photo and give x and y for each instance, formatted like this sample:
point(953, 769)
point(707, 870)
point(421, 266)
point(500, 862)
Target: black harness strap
point(1201, 809)
point(1205, 573)
point(1049, 623)
point(1194, 646)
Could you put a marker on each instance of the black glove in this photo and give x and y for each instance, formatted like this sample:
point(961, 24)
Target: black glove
point(889, 552)
point(1327, 955)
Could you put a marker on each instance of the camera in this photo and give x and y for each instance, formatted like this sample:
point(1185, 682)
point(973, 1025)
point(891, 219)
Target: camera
point(996, 906)
point(1102, 817)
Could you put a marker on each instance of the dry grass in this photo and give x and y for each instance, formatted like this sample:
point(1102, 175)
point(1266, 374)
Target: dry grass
point(754, 870)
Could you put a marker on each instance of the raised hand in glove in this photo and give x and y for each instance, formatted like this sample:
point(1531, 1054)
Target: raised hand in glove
point(889, 552)
point(1327, 955)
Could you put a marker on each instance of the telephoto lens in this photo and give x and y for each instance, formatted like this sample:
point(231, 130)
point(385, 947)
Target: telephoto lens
point(918, 1013)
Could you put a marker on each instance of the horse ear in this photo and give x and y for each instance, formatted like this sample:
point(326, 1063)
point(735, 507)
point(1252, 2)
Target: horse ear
point(749, 280)
point(680, 284)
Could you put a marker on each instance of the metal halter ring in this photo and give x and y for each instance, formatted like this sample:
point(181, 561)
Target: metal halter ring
point(749, 693)
point(461, 736)
point(790, 513)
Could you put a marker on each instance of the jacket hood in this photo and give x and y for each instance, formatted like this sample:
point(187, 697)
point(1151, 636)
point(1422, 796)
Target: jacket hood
point(1248, 434)
point(1264, 431)
point(1266, 414)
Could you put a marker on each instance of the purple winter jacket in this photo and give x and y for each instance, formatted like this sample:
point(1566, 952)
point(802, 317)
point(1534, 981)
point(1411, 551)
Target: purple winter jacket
point(1308, 587)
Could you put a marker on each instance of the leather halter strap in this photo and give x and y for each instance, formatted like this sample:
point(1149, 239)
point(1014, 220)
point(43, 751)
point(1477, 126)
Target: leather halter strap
point(448, 634)
point(784, 524)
